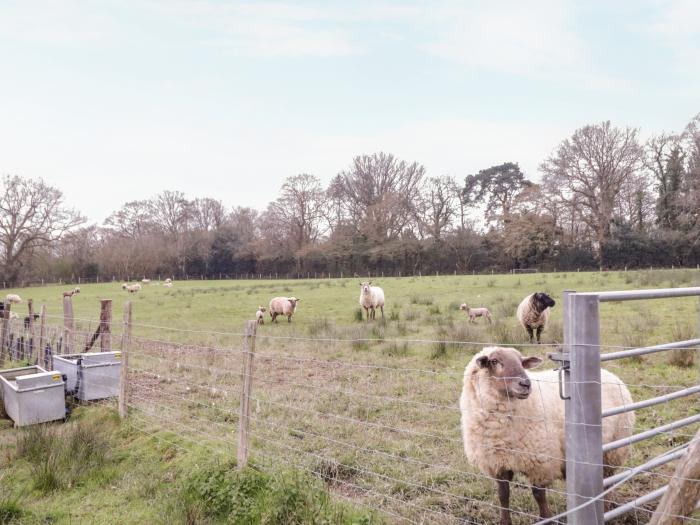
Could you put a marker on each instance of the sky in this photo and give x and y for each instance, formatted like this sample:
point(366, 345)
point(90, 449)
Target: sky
point(113, 101)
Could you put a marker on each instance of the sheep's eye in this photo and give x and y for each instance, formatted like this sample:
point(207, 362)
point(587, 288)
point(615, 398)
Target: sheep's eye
point(493, 362)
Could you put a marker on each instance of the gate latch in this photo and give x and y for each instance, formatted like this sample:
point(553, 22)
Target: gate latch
point(562, 359)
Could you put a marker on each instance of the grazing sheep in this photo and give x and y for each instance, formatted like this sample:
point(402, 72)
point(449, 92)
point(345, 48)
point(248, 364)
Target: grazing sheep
point(533, 313)
point(168, 284)
point(145, 281)
point(168, 280)
point(371, 298)
point(473, 313)
point(283, 306)
point(508, 431)
point(72, 292)
point(13, 298)
point(133, 288)
point(260, 315)
point(124, 285)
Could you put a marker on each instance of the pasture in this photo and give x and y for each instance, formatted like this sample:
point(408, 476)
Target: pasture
point(368, 408)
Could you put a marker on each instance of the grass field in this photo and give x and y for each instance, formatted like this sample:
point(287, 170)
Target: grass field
point(370, 408)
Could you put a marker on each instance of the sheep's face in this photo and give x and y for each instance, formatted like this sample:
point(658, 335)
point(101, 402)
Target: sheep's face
point(506, 370)
point(463, 306)
point(365, 286)
point(543, 301)
point(293, 301)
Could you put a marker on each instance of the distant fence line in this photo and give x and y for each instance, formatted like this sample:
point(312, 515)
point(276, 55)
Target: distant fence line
point(53, 281)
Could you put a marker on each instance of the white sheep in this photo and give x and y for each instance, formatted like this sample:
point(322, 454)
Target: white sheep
point(133, 288)
point(13, 298)
point(168, 280)
point(124, 285)
point(168, 284)
point(533, 313)
point(371, 298)
point(283, 306)
point(473, 313)
point(145, 281)
point(260, 315)
point(513, 422)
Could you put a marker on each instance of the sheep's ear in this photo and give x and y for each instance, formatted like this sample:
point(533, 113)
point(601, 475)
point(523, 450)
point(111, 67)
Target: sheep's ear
point(532, 362)
point(297, 300)
point(483, 361)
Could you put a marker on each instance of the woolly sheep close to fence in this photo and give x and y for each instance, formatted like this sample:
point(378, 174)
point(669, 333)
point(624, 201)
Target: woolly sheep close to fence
point(513, 422)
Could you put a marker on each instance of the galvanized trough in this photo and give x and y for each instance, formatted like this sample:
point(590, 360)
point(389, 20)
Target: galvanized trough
point(90, 376)
point(32, 395)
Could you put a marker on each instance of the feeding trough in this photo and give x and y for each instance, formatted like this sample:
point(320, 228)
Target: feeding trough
point(90, 376)
point(32, 395)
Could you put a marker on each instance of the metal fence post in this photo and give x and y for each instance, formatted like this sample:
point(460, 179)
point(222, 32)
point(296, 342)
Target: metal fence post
point(244, 419)
point(584, 436)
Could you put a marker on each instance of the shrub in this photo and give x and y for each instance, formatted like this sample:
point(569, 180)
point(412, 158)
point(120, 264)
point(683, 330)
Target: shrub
point(684, 357)
point(358, 315)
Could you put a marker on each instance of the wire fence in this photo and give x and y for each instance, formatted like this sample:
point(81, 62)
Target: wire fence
point(378, 429)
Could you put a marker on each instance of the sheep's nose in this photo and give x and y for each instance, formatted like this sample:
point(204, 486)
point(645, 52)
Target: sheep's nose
point(525, 383)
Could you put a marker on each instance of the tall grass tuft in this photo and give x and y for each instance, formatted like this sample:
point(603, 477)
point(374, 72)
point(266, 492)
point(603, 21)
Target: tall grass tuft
point(684, 357)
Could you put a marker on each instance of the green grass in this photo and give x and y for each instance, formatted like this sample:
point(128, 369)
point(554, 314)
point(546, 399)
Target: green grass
point(192, 392)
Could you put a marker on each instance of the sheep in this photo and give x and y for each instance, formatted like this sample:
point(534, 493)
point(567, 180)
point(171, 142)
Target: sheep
point(72, 292)
point(28, 318)
point(533, 313)
point(124, 285)
point(168, 280)
point(168, 284)
point(507, 431)
point(283, 306)
point(145, 281)
point(133, 288)
point(260, 315)
point(473, 313)
point(13, 315)
point(371, 298)
point(13, 298)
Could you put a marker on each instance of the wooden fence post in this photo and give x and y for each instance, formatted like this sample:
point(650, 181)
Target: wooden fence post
point(683, 489)
point(244, 419)
point(30, 327)
point(42, 333)
point(4, 329)
point(124, 376)
point(105, 325)
point(68, 325)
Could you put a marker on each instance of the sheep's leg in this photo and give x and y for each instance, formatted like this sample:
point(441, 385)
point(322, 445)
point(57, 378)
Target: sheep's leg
point(367, 312)
point(503, 481)
point(382, 307)
point(274, 317)
point(529, 333)
point(372, 312)
point(289, 318)
point(539, 332)
point(540, 494)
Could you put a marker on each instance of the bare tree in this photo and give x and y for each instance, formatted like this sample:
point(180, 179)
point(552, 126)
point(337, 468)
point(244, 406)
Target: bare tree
point(589, 170)
point(207, 214)
point(379, 193)
point(133, 219)
point(299, 209)
point(438, 205)
point(32, 215)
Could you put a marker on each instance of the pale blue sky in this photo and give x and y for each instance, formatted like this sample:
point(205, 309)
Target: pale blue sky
point(114, 101)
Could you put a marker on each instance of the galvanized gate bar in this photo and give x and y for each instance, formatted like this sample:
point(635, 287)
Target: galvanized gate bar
point(652, 401)
point(645, 467)
point(632, 352)
point(635, 295)
point(624, 509)
point(651, 433)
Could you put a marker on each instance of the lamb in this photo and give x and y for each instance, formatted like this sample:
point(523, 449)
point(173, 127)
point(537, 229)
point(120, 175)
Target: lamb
point(371, 298)
point(13, 298)
point(168, 280)
point(168, 284)
point(260, 315)
point(473, 313)
point(507, 431)
point(533, 313)
point(283, 306)
point(72, 292)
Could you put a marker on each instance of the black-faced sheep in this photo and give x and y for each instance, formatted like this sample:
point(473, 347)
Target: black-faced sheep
point(283, 306)
point(473, 313)
point(371, 298)
point(513, 422)
point(533, 313)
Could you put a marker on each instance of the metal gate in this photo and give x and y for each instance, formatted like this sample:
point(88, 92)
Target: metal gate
point(581, 366)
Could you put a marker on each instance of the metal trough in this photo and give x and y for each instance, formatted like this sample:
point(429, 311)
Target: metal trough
point(32, 395)
point(90, 376)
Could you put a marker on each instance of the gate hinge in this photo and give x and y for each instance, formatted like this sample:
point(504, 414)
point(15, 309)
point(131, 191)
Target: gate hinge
point(562, 359)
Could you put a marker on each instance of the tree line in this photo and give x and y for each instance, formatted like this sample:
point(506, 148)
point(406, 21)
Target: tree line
point(605, 199)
